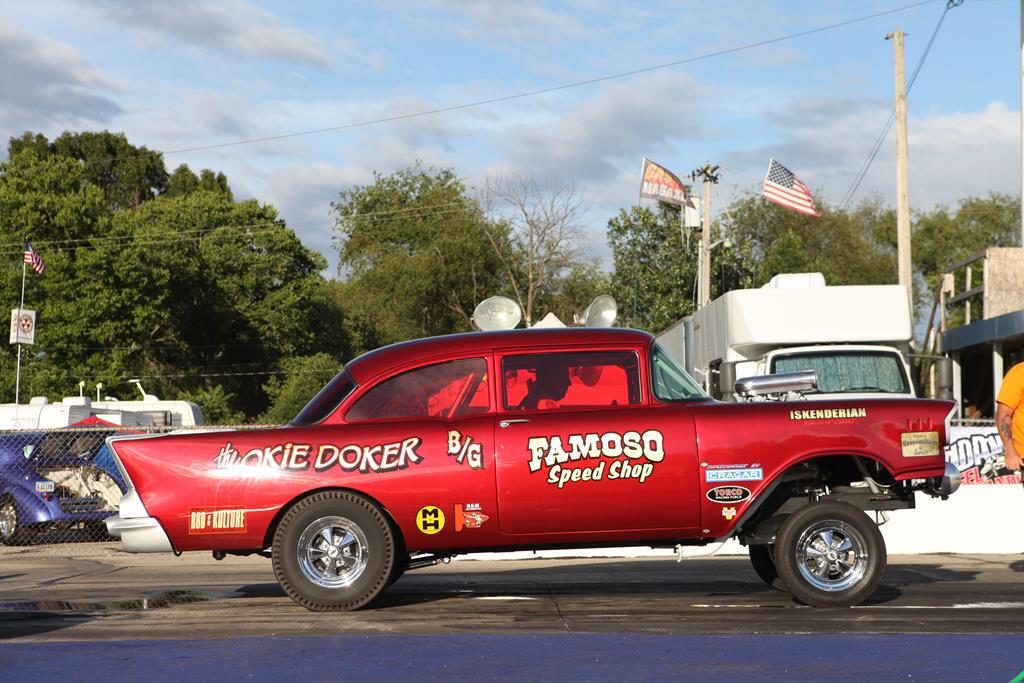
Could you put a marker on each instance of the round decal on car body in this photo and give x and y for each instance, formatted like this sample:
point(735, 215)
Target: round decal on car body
point(728, 494)
point(430, 520)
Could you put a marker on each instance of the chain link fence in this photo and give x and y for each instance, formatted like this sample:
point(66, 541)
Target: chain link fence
point(58, 486)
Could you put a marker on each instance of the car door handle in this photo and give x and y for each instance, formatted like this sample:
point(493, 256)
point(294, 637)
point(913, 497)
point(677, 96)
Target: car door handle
point(506, 423)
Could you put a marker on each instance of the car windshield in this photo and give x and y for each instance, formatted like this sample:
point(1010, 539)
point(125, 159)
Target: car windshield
point(326, 401)
point(848, 371)
point(671, 382)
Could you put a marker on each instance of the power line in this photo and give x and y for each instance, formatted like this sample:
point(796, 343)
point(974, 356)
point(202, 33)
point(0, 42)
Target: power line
point(862, 172)
point(173, 236)
point(533, 93)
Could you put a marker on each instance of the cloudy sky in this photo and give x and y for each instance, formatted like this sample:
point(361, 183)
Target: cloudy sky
point(808, 82)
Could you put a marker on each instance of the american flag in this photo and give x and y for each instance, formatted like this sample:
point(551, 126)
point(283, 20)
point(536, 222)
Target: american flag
point(33, 258)
point(783, 188)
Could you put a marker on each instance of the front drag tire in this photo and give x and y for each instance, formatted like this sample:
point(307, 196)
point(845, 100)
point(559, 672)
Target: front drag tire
point(830, 554)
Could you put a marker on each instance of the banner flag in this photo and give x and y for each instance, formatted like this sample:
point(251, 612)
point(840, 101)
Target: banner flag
point(659, 183)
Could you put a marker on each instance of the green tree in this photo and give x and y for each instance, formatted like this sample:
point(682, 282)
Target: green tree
point(848, 248)
point(127, 175)
point(49, 200)
point(214, 182)
point(655, 267)
point(941, 238)
point(418, 255)
point(570, 295)
point(198, 295)
point(220, 287)
point(303, 377)
point(182, 182)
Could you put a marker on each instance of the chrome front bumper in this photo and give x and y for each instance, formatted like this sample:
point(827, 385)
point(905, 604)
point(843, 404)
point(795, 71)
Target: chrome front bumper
point(139, 533)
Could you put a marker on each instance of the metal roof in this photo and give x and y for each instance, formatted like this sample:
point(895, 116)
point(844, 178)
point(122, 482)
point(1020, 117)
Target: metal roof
point(1001, 328)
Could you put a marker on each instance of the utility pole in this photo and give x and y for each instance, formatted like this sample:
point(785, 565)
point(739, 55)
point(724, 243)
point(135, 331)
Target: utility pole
point(902, 193)
point(709, 175)
point(1022, 122)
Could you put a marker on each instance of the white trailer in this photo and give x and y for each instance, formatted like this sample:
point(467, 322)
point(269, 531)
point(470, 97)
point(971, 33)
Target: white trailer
point(856, 338)
point(39, 413)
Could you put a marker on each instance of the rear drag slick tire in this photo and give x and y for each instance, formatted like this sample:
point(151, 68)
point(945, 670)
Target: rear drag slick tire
point(333, 551)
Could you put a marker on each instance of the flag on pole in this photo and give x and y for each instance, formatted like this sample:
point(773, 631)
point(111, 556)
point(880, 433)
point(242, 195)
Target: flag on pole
point(33, 258)
point(657, 182)
point(785, 189)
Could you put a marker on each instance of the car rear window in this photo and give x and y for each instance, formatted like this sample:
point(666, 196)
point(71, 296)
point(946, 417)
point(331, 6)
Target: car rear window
point(326, 401)
point(446, 390)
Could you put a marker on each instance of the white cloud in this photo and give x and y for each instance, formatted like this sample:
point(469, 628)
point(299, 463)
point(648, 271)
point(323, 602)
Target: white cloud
point(226, 26)
point(497, 23)
point(48, 85)
point(952, 156)
point(593, 139)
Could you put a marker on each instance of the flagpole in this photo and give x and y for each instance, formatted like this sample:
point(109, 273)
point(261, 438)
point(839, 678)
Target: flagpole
point(17, 332)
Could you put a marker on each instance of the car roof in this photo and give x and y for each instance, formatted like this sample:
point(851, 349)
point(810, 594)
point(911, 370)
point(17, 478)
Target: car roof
point(383, 359)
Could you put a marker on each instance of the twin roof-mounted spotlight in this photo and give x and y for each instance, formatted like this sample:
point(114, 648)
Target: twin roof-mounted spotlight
point(502, 313)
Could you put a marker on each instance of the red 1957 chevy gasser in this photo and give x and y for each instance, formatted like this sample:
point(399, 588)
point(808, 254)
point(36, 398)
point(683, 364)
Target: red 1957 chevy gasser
point(533, 439)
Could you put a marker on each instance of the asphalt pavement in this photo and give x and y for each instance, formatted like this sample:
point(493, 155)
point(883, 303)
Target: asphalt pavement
point(79, 606)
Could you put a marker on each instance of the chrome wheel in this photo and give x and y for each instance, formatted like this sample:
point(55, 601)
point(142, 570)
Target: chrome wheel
point(8, 520)
point(333, 552)
point(832, 555)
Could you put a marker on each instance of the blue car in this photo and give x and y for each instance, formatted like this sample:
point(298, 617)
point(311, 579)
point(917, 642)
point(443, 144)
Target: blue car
point(57, 480)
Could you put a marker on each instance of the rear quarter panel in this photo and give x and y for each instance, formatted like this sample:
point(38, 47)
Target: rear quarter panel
point(223, 490)
point(750, 445)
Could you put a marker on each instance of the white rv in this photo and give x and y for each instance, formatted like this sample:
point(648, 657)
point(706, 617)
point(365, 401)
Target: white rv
point(856, 338)
point(39, 413)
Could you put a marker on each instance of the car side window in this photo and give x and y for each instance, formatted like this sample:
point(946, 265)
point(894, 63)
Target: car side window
point(452, 389)
point(571, 380)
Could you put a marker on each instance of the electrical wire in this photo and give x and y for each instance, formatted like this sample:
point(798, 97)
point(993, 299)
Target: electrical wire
point(862, 172)
point(528, 93)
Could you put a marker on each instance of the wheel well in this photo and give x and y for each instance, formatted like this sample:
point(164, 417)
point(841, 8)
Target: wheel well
point(400, 549)
point(859, 480)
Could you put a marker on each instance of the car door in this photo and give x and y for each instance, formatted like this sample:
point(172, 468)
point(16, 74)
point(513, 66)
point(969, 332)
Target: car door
point(579, 447)
point(445, 407)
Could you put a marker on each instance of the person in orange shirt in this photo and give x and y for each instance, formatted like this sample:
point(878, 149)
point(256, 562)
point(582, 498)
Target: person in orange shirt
point(1010, 416)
